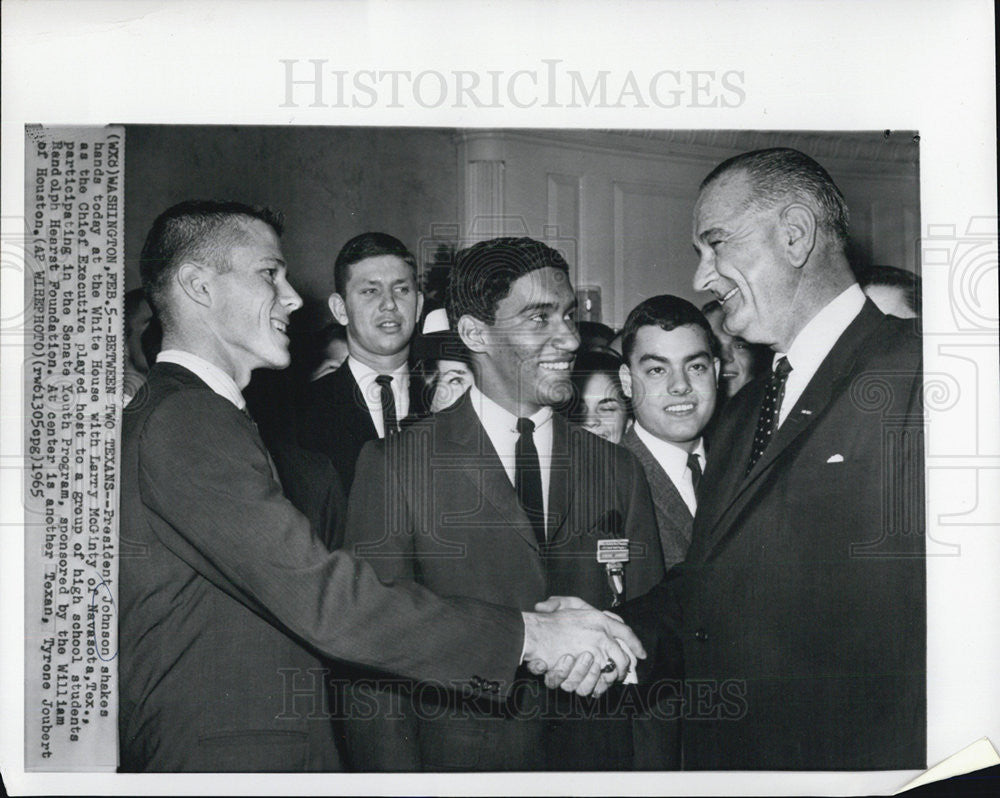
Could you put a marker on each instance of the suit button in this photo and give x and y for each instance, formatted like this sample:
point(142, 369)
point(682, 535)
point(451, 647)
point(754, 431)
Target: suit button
point(701, 635)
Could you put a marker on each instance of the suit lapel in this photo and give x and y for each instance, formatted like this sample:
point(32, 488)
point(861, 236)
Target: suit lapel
point(188, 379)
point(463, 434)
point(582, 487)
point(830, 380)
point(347, 394)
point(666, 498)
point(349, 397)
point(730, 454)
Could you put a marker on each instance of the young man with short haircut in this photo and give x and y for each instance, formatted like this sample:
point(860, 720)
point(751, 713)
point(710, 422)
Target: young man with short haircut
point(499, 498)
point(377, 300)
point(670, 372)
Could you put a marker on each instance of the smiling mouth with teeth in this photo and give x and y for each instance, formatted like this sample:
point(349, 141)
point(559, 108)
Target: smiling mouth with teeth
point(687, 407)
point(729, 295)
point(562, 365)
point(279, 325)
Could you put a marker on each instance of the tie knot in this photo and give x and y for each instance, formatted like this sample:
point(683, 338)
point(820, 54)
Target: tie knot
point(782, 368)
point(525, 426)
point(384, 380)
point(694, 466)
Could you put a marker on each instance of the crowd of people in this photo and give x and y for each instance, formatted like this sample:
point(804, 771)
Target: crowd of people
point(486, 536)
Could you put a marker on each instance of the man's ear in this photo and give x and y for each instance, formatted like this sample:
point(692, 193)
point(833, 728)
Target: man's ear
point(473, 333)
point(338, 308)
point(798, 224)
point(625, 375)
point(195, 281)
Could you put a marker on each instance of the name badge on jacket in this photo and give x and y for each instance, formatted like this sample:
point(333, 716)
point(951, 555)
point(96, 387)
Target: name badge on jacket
point(613, 552)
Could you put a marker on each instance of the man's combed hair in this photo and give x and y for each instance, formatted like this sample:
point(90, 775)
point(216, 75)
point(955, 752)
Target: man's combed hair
point(780, 173)
point(364, 246)
point(203, 231)
point(484, 273)
point(666, 312)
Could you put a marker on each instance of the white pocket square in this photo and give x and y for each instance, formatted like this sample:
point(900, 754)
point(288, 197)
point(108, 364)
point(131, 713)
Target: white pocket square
point(836, 458)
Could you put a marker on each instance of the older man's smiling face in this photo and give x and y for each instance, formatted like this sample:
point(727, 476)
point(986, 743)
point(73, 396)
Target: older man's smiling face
point(742, 261)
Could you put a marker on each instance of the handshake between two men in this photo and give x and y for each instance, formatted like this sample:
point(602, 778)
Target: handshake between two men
point(199, 493)
point(578, 648)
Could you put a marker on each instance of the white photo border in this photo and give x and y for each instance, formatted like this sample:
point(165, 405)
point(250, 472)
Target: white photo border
point(900, 64)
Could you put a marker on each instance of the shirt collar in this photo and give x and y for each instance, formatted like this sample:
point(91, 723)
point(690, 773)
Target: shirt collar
point(671, 457)
point(817, 338)
point(213, 376)
point(364, 373)
point(494, 417)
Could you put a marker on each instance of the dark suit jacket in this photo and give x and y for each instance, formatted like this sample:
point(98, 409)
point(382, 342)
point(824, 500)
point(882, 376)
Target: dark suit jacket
point(308, 479)
point(435, 505)
point(226, 597)
point(673, 518)
point(803, 593)
point(334, 419)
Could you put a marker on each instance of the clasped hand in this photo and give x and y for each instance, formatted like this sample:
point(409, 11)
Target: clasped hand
point(575, 645)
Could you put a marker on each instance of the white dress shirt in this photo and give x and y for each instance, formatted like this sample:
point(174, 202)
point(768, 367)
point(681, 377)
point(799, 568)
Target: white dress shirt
point(214, 377)
point(501, 428)
point(674, 460)
point(814, 342)
point(400, 385)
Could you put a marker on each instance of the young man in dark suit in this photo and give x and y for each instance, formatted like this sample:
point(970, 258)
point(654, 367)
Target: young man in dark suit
point(226, 596)
point(803, 592)
point(498, 498)
point(670, 372)
point(377, 300)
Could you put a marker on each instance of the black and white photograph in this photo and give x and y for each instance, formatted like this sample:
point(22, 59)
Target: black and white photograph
point(592, 424)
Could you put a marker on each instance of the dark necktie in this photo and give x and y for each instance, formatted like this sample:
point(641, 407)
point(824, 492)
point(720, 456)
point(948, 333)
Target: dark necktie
point(528, 478)
point(695, 466)
point(768, 420)
point(388, 404)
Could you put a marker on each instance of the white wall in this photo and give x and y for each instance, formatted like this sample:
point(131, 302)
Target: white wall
point(618, 203)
